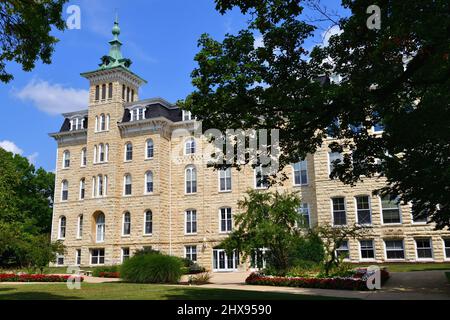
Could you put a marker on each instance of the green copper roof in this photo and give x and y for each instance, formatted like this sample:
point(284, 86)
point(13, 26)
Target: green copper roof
point(114, 58)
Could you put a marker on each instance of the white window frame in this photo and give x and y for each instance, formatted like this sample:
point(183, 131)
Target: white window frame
point(122, 255)
point(190, 147)
point(417, 249)
point(82, 187)
point(100, 238)
point(126, 152)
point(66, 157)
point(146, 221)
point(345, 210)
point(192, 178)
point(80, 222)
point(191, 252)
point(385, 250)
point(255, 173)
point(228, 188)
point(64, 189)
point(146, 181)
point(221, 231)
point(191, 222)
point(382, 215)
point(98, 257)
point(329, 161)
point(83, 159)
point(125, 185)
point(147, 148)
point(373, 248)
point(124, 222)
point(77, 257)
point(301, 211)
point(302, 183)
point(60, 226)
point(348, 250)
point(446, 257)
point(186, 115)
point(370, 210)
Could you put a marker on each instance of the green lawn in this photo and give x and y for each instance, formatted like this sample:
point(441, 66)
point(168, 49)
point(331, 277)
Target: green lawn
point(409, 267)
point(122, 291)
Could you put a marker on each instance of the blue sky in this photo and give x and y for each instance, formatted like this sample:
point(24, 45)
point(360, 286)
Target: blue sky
point(160, 36)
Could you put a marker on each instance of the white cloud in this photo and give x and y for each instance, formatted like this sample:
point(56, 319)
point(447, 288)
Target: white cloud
point(53, 99)
point(33, 157)
point(10, 147)
point(326, 36)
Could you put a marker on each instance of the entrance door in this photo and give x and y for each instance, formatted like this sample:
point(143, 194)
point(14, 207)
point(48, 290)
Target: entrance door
point(223, 262)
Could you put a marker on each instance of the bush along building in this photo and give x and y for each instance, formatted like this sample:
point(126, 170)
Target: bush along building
point(125, 181)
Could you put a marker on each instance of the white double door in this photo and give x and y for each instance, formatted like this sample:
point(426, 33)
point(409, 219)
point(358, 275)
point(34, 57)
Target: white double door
point(222, 262)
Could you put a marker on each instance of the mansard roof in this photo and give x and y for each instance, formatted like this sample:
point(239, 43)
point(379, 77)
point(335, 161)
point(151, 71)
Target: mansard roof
point(155, 108)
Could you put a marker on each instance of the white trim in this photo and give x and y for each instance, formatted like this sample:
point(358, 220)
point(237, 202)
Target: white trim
point(122, 255)
point(220, 220)
point(82, 181)
point(191, 253)
point(146, 149)
point(219, 180)
point(356, 210)
point(76, 257)
point(80, 226)
point(83, 156)
point(145, 223)
point(385, 249)
point(146, 192)
point(59, 228)
point(125, 152)
point(293, 175)
point(446, 258)
point(345, 210)
point(255, 178)
point(125, 184)
point(186, 222)
point(373, 247)
point(417, 251)
point(123, 224)
point(193, 169)
point(382, 215)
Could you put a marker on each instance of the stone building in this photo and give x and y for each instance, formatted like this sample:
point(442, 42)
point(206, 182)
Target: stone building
point(126, 179)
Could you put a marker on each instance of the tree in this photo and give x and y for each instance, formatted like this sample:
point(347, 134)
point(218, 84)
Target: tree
point(397, 77)
point(268, 221)
point(41, 252)
point(333, 238)
point(25, 28)
point(26, 200)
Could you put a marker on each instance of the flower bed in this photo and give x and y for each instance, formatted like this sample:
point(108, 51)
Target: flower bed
point(358, 282)
point(35, 278)
point(115, 275)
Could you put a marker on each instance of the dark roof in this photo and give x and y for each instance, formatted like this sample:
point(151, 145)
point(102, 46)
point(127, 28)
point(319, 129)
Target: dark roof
point(66, 125)
point(156, 108)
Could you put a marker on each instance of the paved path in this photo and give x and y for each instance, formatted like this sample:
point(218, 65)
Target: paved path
point(419, 285)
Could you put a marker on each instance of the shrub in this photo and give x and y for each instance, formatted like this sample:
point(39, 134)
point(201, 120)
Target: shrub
point(152, 268)
point(35, 278)
point(308, 248)
point(96, 272)
point(115, 275)
point(146, 250)
point(199, 279)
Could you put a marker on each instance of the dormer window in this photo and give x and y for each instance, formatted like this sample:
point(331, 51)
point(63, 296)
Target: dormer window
point(76, 124)
point(187, 115)
point(137, 114)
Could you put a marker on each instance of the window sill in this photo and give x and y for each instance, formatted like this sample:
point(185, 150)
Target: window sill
point(225, 232)
point(301, 185)
point(225, 191)
point(148, 159)
point(148, 235)
point(190, 194)
point(190, 234)
point(125, 236)
point(392, 224)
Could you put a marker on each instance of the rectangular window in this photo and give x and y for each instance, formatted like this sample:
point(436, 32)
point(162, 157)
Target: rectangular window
point(339, 214)
point(225, 180)
point(300, 173)
point(104, 92)
point(261, 178)
point(343, 251)
point(97, 93)
point(60, 260)
point(334, 157)
point(391, 210)
point(367, 249)
point(191, 253)
point(191, 222)
point(226, 220)
point(304, 216)
point(126, 224)
point(80, 227)
point(447, 248)
point(424, 249)
point(363, 210)
point(78, 257)
point(110, 91)
point(394, 250)
point(97, 256)
point(125, 254)
point(123, 92)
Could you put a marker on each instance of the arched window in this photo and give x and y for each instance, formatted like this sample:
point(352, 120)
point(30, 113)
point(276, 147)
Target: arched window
point(190, 222)
point(82, 188)
point(80, 227)
point(101, 153)
point(65, 191)
point(66, 159)
point(191, 179)
point(148, 222)
point(97, 93)
point(102, 122)
point(190, 146)
point(100, 227)
point(100, 185)
point(96, 123)
point(110, 91)
point(103, 91)
point(126, 230)
point(128, 152)
point(150, 149)
point(123, 92)
point(83, 157)
point(108, 118)
point(132, 95)
point(62, 228)
point(106, 152)
point(127, 185)
point(148, 182)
